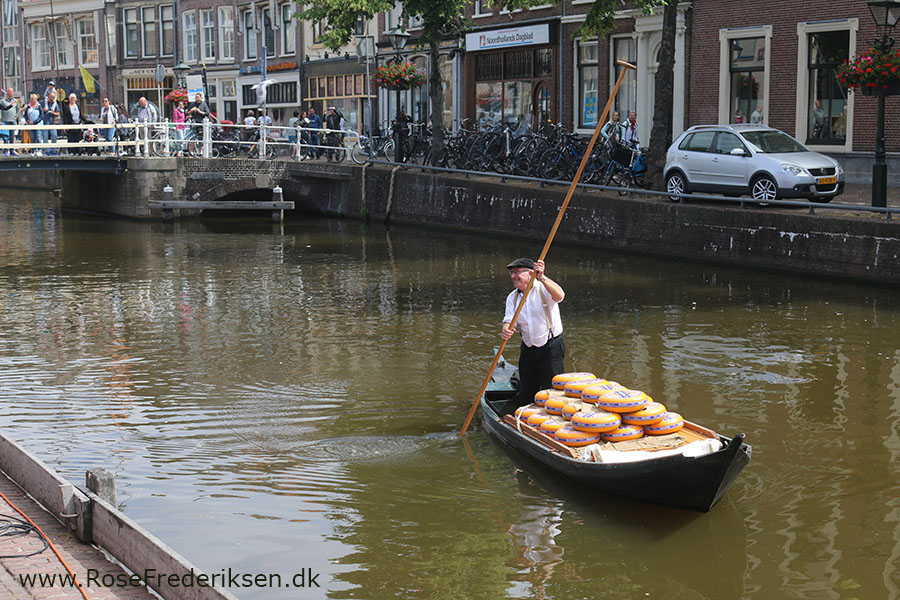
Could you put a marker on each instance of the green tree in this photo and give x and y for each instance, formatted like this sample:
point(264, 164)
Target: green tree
point(443, 19)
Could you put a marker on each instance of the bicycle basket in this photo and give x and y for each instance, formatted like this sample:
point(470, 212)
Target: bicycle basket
point(640, 165)
point(621, 155)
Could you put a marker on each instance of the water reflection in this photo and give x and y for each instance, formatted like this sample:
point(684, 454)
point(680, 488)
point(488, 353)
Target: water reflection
point(272, 400)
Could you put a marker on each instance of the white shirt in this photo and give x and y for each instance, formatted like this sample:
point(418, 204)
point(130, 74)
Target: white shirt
point(532, 321)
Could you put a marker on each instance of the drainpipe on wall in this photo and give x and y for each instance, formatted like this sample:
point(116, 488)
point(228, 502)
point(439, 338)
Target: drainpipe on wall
point(559, 93)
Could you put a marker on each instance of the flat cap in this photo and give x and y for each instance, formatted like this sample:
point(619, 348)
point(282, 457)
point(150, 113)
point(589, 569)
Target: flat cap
point(519, 263)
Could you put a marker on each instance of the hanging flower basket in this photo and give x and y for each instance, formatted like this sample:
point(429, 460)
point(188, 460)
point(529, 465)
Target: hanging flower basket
point(176, 96)
point(398, 76)
point(875, 73)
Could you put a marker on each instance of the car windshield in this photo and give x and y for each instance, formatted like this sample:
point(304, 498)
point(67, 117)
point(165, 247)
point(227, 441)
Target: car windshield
point(768, 141)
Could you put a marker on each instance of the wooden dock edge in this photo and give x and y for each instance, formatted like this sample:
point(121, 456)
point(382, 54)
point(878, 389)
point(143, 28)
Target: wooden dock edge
point(94, 520)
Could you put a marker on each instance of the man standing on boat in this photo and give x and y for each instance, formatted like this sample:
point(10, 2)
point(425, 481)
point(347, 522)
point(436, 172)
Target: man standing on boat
point(543, 351)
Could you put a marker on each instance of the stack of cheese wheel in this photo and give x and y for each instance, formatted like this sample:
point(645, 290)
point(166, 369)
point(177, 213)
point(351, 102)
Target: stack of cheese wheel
point(523, 412)
point(552, 425)
point(623, 401)
point(537, 418)
point(592, 393)
point(570, 436)
point(559, 381)
point(651, 413)
point(573, 388)
point(595, 421)
point(623, 432)
point(554, 404)
point(670, 423)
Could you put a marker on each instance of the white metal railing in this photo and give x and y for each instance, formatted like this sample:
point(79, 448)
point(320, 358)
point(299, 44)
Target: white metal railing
point(206, 139)
point(12, 138)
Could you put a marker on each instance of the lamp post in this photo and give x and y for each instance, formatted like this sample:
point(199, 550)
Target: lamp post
point(885, 13)
point(180, 71)
point(398, 41)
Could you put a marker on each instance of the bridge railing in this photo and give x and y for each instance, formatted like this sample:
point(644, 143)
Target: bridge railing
point(93, 139)
point(166, 138)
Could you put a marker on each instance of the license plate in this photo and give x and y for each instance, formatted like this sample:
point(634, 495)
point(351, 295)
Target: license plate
point(826, 180)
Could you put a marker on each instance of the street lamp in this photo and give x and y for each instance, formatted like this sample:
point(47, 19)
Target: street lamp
point(398, 42)
point(885, 14)
point(180, 71)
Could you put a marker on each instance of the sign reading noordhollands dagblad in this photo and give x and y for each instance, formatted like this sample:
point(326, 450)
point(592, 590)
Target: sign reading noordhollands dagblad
point(505, 38)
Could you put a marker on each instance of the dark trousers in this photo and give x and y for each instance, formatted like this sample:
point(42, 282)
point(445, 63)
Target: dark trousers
point(538, 365)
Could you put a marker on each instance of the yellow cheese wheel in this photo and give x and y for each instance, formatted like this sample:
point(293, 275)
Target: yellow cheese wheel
point(552, 425)
point(592, 393)
point(652, 413)
point(570, 436)
point(596, 421)
point(523, 412)
point(560, 381)
point(623, 432)
point(537, 418)
point(573, 388)
point(670, 423)
point(623, 401)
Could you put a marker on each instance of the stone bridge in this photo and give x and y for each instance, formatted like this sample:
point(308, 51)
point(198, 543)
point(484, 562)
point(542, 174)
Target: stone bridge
point(314, 187)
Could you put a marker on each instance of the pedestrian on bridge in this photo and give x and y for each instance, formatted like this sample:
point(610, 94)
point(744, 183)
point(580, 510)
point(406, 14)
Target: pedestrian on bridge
point(71, 115)
point(51, 117)
point(9, 113)
point(109, 116)
point(33, 115)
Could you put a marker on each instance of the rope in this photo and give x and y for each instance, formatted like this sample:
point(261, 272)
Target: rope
point(49, 543)
point(390, 200)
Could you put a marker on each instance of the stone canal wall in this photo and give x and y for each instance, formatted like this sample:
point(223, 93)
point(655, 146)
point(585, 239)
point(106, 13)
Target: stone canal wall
point(847, 245)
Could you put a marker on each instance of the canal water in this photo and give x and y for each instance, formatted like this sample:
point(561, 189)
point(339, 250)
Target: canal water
point(284, 400)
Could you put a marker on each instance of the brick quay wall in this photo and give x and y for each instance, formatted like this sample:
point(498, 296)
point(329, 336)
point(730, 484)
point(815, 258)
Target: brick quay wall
point(856, 245)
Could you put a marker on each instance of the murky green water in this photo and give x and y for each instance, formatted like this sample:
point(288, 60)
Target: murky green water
point(275, 400)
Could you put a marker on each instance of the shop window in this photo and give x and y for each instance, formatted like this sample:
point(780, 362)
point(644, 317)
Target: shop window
point(488, 102)
point(827, 101)
point(588, 78)
point(516, 102)
point(624, 48)
point(489, 66)
point(543, 62)
point(517, 64)
point(747, 67)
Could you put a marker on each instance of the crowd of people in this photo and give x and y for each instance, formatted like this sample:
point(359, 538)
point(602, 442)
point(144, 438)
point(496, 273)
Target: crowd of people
point(54, 108)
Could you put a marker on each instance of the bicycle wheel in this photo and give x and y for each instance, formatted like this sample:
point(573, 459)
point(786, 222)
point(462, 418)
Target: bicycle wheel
point(359, 153)
point(157, 146)
point(388, 150)
point(193, 147)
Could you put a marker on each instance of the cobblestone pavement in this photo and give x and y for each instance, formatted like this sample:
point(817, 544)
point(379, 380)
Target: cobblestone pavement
point(83, 559)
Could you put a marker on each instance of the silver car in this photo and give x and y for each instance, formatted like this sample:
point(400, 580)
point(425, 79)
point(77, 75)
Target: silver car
point(741, 159)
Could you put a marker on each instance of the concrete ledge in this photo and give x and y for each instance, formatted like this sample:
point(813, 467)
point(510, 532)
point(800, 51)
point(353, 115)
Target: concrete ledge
point(98, 522)
point(136, 163)
point(53, 492)
point(222, 204)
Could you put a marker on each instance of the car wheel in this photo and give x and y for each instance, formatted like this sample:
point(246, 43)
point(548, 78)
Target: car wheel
point(676, 184)
point(764, 189)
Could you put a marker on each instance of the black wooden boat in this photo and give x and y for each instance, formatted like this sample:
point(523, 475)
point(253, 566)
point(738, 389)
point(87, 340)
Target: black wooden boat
point(677, 481)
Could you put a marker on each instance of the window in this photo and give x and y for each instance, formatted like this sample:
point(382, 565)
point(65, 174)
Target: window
point(726, 142)
point(131, 32)
point(226, 32)
point(167, 30)
point(249, 36)
point(317, 32)
point(40, 47)
point(87, 43)
point(698, 142)
point(588, 78)
point(148, 24)
point(415, 22)
point(392, 17)
point(624, 48)
point(482, 9)
point(747, 65)
point(208, 32)
point(269, 31)
point(228, 88)
point(744, 56)
point(64, 52)
point(190, 36)
point(277, 93)
point(10, 22)
point(288, 30)
point(12, 53)
point(827, 99)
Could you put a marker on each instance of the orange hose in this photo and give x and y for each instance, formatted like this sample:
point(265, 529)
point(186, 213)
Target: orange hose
point(52, 547)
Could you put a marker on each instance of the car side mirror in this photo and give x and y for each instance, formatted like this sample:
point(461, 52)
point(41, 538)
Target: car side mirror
point(738, 152)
